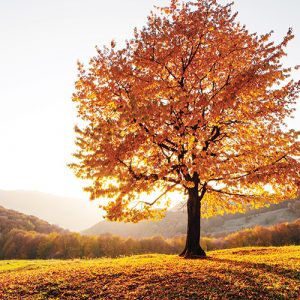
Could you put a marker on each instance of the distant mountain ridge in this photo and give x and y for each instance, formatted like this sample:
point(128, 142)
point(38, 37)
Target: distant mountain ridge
point(174, 224)
point(70, 213)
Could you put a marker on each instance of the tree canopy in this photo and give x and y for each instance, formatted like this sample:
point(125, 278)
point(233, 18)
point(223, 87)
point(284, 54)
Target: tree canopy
point(192, 100)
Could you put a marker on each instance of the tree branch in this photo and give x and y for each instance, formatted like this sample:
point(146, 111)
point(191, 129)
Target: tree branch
point(248, 172)
point(153, 177)
point(230, 193)
point(161, 195)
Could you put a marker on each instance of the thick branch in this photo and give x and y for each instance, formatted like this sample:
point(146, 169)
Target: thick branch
point(214, 134)
point(203, 191)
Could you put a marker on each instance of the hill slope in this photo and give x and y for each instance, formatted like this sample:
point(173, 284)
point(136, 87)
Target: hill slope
point(11, 219)
point(13, 223)
point(70, 213)
point(174, 223)
point(247, 273)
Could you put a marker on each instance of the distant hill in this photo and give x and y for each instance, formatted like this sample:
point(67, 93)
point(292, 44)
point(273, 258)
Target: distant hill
point(174, 223)
point(70, 213)
point(11, 219)
point(20, 233)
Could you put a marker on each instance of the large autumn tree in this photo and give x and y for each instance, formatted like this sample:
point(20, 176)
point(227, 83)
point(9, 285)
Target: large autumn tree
point(192, 103)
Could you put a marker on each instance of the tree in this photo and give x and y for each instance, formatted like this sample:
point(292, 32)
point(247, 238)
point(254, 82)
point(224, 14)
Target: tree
point(192, 103)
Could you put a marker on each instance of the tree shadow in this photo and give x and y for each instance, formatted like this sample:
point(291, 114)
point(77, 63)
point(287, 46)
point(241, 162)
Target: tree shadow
point(273, 269)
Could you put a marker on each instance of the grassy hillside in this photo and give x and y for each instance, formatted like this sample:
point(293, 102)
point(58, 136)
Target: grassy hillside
point(247, 273)
point(174, 223)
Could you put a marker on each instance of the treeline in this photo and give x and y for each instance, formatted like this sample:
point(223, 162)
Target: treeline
point(276, 235)
point(21, 244)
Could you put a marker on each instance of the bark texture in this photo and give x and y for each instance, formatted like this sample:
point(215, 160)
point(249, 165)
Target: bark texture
point(192, 247)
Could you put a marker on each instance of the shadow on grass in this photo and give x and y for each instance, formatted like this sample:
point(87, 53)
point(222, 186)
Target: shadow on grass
point(213, 278)
point(273, 269)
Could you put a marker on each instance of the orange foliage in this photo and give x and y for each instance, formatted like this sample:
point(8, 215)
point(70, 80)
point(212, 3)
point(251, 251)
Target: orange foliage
point(192, 100)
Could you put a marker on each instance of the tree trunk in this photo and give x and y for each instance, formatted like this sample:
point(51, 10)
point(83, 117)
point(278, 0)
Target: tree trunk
point(192, 247)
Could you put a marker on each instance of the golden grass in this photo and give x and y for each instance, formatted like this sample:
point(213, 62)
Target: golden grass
point(242, 273)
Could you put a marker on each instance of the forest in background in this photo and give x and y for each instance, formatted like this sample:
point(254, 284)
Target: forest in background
point(27, 237)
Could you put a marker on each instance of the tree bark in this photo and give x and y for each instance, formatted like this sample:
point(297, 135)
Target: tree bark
point(192, 247)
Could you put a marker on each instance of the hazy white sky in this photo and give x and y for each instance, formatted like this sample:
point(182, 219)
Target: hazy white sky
point(40, 42)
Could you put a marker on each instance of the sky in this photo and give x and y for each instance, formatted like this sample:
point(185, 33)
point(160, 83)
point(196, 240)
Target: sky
point(40, 43)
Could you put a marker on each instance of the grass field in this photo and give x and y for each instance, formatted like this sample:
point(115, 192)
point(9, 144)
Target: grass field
point(244, 273)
